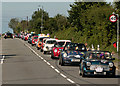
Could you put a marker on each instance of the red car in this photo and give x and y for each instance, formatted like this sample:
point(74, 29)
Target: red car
point(59, 45)
point(34, 40)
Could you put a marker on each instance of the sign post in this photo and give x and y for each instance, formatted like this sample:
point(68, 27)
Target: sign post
point(114, 18)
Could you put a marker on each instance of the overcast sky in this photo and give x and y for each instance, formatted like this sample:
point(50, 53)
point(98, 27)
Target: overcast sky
point(23, 9)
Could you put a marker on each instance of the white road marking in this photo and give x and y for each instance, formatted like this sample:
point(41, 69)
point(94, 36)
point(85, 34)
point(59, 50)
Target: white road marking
point(57, 70)
point(2, 60)
point(52, 67)
point(44, 60)
point(68, 79)
point(63, 75)
point(48, 63)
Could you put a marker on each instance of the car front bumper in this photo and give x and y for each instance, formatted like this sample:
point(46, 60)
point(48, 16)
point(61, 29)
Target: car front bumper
point(93, 72)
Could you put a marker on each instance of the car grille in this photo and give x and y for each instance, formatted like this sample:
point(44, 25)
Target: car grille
point(73, 56)
point(105, 67)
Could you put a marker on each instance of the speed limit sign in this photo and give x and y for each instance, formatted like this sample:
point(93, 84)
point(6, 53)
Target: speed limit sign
point(113, 18)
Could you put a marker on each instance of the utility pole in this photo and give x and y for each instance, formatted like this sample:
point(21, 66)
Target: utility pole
point(117, 33)
point(27, 20)
point(42, 20)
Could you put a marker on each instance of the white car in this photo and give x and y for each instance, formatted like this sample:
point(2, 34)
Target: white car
point(49, 43)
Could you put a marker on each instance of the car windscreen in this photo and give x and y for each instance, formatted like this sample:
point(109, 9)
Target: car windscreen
point(9, 34)
point(78, 47)
point(35, 37)
point(67, 43)
point(43, 38)
point(59, 44)
point(51, 42)
point(98, 55)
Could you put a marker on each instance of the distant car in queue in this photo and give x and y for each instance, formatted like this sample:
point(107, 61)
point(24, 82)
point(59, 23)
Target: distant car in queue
point(58, 46)
point(72, 53)
point(97, 63)
point(43, 43)
point(49, 43)
point(34, 40)
point(8, 35)
point(39, 42)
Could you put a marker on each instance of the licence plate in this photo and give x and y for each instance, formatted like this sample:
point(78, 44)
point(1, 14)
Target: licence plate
point(75, 60)
point(99, 69)
point(100, 73)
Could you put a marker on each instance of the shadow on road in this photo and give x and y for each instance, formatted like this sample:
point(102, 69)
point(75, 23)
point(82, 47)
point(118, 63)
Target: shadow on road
point(100, 76)
point(8, 56)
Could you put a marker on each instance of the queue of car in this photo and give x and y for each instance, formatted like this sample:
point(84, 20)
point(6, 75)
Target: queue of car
point(91, 62)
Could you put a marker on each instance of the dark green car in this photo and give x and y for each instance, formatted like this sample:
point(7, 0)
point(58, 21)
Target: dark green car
point(97, 63)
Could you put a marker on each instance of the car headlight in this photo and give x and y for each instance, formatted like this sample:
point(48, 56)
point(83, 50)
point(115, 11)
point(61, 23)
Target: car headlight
point(64, 55)
point(88, 64)
point(55, 50)
point(111, 64)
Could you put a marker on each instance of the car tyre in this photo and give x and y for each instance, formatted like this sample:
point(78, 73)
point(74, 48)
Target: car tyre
point(41, 50)
point(62, 63)
point(44, 52)
point(80, 72)
point(83, 74)
point(38, 48)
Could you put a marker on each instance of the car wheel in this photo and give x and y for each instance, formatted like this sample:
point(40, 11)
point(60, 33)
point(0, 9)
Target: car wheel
point(83, 74)
point(38, 48)
point(32, 44)
point(52, 56)
point(41, 50)
point(59, 62)
point(80, 72)
point(44, 52)
point(62, 63)
point(113, 74)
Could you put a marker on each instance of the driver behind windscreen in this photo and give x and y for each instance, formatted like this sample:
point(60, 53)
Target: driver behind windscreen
point(102, 56)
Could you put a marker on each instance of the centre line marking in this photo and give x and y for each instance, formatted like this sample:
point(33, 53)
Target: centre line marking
point(68, 79)
point(2, 60)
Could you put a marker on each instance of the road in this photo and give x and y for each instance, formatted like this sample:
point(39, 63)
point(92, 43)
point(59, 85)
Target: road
point(24, 64)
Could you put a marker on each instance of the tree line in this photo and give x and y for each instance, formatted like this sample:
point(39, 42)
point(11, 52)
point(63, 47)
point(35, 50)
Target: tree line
point(87, 22)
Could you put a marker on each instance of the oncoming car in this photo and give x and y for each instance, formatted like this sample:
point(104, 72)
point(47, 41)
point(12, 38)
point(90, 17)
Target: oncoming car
point(59, 45)
point(8, 35)
point(97, 63)
point(49, 43)
point(72, 53)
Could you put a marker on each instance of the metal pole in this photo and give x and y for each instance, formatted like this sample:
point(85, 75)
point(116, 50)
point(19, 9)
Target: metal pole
point(117, 33)
point(42, 20)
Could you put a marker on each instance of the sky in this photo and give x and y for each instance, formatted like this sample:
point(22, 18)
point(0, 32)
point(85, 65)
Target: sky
point(22, 9)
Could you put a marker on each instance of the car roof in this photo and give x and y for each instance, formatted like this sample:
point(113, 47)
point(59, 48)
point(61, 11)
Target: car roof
point(63, 40)
point(77, 43)
point(43, 37)
point(50, 39)
point(97, 51)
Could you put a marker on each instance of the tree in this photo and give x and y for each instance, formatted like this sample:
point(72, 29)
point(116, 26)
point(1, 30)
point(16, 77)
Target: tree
point(13, 24)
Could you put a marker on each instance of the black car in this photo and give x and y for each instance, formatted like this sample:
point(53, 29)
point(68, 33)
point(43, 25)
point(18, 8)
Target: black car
point(97, 63)
point(72, 53)
point(8, 35)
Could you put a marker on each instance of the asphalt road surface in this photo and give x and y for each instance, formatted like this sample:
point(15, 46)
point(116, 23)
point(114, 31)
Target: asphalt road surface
point(24, 64)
